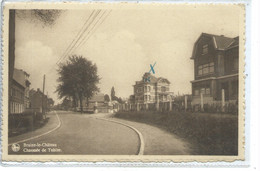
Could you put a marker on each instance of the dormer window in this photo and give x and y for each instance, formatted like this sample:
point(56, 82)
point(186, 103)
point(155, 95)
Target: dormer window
point(205, 49)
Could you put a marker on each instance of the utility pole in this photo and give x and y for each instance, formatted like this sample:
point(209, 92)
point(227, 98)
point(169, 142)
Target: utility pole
point(43, 87)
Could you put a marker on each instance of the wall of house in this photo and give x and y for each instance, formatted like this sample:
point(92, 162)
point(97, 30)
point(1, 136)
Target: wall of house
point(207, 58)
point(157, 91)
point(16, 98)
point(231, 61)
point(230, 85)
point(139, 92)
point(202, 86)
point(36, 102)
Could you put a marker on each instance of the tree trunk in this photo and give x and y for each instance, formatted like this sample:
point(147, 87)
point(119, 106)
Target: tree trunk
point(75, 103)
point(87, 102)
point(81, 105)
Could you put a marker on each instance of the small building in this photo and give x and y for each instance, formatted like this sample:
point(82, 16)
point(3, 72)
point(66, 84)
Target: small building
point(96, 104)
point(150, 91)
point(216, 60)
point(38, 101)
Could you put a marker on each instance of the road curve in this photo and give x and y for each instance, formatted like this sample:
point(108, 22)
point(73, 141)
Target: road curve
point(38, 136)
point(141, 139)
point(80, 134)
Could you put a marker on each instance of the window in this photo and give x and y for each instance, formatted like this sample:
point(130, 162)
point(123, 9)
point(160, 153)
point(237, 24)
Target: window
point(207, 91)
point(149, 88)
point(163, 89)
point(140, 89)
point(202, 90)
point(200, 70)
point(205, 49)
point(206, 69)
point(211, 67)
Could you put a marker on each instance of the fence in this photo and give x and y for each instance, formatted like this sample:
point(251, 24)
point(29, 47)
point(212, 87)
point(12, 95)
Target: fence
point(183, 105)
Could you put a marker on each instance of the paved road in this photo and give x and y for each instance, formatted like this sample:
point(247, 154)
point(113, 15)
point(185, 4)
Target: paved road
point(74, 133)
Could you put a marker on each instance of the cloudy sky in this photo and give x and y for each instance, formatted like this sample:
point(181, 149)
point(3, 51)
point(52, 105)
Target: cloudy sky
point(123, 46)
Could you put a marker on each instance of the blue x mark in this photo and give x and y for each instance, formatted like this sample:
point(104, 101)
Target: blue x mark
point(152, 68)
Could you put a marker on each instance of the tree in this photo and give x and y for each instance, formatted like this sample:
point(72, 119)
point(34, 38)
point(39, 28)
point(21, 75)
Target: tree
point(119, 100)
point(106, 97)
point(78, 79)
point(113, 94)
point(43, 17)
point(66, 103)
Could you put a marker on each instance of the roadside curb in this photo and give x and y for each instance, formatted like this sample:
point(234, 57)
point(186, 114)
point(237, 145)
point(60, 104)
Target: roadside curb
point(141, 139)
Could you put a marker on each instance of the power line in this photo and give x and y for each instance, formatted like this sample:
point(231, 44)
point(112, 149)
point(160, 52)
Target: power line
point(93, 19)
point(77, 34)
point(88, 35)
point(93, 28)
point(76, 37)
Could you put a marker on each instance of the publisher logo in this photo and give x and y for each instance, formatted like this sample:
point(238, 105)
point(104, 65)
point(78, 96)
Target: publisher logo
point(15, 147)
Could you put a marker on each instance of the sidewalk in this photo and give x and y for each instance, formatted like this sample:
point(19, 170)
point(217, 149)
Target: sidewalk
point(51, 124)
point(157, 141)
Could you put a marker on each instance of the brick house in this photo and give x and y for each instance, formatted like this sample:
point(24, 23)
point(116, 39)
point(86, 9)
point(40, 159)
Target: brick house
point(215, 69)
point(147, 93)
point(19, 97)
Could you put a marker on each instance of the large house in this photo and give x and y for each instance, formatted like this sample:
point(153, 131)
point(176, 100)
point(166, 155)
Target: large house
point(215, 69)
point(151, 90)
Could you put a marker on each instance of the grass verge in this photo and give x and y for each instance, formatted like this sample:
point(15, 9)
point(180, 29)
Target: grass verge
point(209, 134)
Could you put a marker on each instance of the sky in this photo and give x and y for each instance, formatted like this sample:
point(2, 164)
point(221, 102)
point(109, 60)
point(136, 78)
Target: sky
point(123, 46)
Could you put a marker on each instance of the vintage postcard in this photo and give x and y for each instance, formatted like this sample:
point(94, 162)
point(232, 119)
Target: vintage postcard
point(146, 82)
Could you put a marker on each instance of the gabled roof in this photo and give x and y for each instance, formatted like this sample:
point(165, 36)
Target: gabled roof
point(152, 79)
point(163, 79)
point(98, 97)
point(220, 42)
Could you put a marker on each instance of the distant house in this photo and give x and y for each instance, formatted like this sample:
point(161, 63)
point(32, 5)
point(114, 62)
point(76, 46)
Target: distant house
point(151, 90)
point(215, 68)
point(37, 100)
point(19, 95)
point(96, 103)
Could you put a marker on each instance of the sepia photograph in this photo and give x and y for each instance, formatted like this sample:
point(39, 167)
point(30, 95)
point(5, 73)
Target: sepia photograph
point(113, 81)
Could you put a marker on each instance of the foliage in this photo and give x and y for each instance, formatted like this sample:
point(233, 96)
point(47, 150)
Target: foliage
point(114, 97)
point(107, 99)
point(113, 93)
point(43, 17)
point(78, 79)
